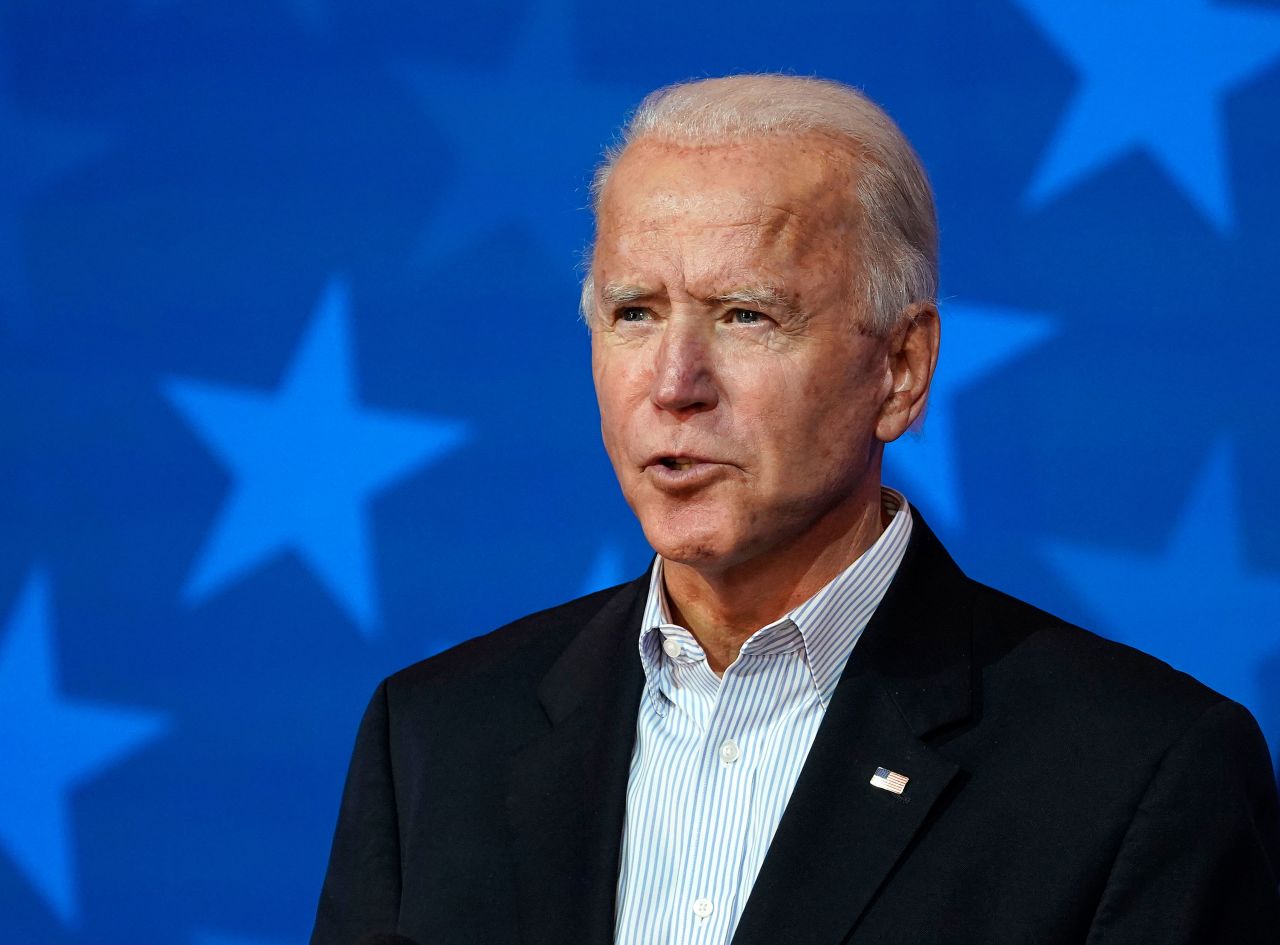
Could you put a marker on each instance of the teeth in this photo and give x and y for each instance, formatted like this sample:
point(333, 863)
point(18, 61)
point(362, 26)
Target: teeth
point(673, 463)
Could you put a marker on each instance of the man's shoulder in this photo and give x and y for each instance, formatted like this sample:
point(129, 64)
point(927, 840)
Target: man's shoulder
point(517, 654)
point(1029, 657)
point(1036, 663)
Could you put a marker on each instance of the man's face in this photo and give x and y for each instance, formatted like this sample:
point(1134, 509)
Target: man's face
point(739, 400)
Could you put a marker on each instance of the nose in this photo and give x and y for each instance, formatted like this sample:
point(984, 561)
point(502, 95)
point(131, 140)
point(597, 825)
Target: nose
point(684, 376)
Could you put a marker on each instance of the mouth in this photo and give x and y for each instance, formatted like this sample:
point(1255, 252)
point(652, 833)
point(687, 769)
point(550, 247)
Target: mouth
point(679, 473)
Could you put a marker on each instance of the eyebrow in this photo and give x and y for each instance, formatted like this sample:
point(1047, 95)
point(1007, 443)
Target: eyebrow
point(763, 296)
point(620, 294)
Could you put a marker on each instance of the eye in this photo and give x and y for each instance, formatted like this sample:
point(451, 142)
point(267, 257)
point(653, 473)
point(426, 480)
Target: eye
point(746, 316)
point(632, 314)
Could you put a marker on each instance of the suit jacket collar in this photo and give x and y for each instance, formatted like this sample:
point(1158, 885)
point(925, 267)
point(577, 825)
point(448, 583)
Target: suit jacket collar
point(568, 790)
point(908, 678)
point(918, 644)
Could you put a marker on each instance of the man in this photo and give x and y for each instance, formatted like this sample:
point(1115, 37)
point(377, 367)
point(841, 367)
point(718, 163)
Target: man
point(804, 724)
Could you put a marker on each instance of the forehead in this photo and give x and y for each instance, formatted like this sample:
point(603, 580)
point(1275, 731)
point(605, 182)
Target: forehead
point(788, 187)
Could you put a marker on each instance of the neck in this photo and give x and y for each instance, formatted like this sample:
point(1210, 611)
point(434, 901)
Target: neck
point(723, 607)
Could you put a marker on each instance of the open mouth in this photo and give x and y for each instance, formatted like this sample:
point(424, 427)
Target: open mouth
point(679, 474)
point(677, 462)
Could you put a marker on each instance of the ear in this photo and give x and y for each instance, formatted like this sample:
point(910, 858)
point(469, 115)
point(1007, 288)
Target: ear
point(912, 356)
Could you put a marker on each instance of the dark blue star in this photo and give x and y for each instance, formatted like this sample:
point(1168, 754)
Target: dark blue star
point(1152, 77)
point(306, 460)
point(1196, 605)
point(36, 151)
point(50, 745)
point(523, 137)
point(314, 15)
point(977, 340)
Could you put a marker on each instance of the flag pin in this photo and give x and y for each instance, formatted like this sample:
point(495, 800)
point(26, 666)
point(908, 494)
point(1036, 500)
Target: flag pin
point(890, 781)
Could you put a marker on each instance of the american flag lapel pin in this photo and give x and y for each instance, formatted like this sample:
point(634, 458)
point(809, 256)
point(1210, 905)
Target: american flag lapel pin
point(889, 781)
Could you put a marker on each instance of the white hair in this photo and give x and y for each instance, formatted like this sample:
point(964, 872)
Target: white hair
point(898, 251)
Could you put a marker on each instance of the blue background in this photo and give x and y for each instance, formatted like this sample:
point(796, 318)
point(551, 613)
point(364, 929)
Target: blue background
point(293, 393)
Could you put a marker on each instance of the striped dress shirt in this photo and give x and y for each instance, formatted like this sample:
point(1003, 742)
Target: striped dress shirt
point(716, 758)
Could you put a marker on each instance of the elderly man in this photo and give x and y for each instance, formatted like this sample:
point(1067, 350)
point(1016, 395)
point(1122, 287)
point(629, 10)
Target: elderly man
point(804, 725)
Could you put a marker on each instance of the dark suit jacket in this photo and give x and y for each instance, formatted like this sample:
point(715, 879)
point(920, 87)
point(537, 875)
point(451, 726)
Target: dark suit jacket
point(1062, 788)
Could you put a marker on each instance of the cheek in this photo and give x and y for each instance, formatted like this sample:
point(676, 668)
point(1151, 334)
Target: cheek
point(604, 374)
point(822, 425)
point(612, 422)
point(617, 398)
point(612, 395)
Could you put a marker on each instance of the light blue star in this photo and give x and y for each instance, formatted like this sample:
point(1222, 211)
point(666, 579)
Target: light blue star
point(606, 570)
point(977, 340)
point(1195, 605)
point(523, 138)
point(1152, 77)
point(35, 152)
point(306, 460)
point(49, 746)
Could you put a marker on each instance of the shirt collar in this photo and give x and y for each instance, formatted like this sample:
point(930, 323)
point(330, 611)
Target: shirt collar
point(827, 625)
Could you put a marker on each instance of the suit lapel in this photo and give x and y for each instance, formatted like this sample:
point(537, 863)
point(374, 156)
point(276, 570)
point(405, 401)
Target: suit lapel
point(568, 790)
point(839, 839)
point(908, 678)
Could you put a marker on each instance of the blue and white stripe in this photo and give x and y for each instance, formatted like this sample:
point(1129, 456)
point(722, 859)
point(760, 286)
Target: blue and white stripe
point(716, 758)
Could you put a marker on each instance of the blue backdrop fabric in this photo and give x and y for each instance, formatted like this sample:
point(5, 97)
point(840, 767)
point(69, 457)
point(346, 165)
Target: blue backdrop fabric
point(294, 392)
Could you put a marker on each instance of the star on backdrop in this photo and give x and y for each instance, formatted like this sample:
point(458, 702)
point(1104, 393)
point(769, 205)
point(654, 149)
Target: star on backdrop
point(1196, 604)
point(36, 152)
point(313, 15)
point(1152, 76)
point(977, 340)
point(51, 744)
point(606, 570)
point(307, 459)
point(508, 170)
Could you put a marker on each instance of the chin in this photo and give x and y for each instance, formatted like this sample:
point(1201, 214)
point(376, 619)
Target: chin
point(691, 552)
point(697, 540)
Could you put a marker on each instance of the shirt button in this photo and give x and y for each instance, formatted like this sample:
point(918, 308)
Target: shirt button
point(702, 908)
point(671, 646)
point(729, 752)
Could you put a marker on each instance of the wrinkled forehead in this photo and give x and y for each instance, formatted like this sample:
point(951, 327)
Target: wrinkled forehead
point(771, 184)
